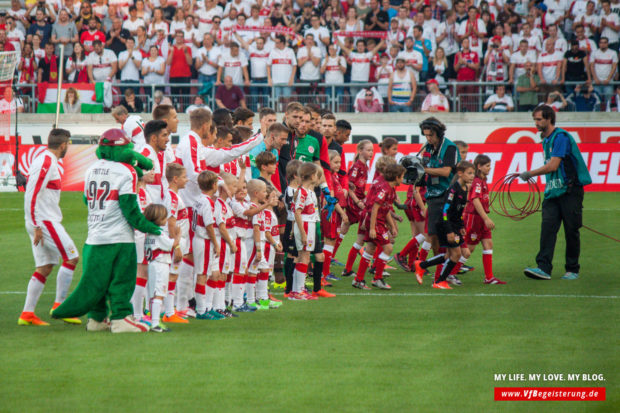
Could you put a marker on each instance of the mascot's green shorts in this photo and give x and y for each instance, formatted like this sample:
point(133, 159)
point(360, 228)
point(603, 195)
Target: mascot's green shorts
point(109, 270)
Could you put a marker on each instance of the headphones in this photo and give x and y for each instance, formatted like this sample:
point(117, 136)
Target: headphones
point(435, 125)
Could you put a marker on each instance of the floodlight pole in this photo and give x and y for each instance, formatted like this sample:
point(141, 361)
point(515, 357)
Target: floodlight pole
point(59, 90)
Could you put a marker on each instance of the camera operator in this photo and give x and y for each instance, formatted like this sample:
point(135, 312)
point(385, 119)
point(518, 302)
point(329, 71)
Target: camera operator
point(439, 157)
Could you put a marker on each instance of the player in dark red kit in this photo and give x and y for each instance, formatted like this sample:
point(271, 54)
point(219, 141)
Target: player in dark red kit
point(379, 225)
point(358, 177)
point(478, 225)
point(330, 228)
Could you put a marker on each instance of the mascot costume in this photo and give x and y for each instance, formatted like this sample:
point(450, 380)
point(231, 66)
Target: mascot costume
point(109, 269)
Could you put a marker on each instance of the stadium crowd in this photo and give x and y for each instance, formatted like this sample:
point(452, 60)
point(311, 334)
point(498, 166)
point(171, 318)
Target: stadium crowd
point(561, 52)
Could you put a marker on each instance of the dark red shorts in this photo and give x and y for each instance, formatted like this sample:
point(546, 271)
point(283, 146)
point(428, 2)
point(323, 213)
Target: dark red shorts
point(354, 214)
point(382, 238)
point(476, 230)
point(414, 214)
point(330, 229)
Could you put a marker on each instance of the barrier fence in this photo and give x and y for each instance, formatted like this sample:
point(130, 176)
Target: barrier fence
point(462, 96)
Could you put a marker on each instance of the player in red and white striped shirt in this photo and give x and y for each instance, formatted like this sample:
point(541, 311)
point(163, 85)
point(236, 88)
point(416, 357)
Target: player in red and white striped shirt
point(50, 241)
point(156, 135)
point(178, 222)
point(133, 126)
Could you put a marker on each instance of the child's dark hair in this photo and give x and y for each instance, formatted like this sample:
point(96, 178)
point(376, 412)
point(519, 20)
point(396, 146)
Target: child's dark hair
point(307, 170)
point(207, 181)
point(464, 165)
point(461, 144)
point(382, 163)
point(173, 170)
point(222, 132)
point(479, 161)
point(393, 171)
point(292, 169)
point(155, 212)
point(264, 158)
point(387, 144)
point(243, 132)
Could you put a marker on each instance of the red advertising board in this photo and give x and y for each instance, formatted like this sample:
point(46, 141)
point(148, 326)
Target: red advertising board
point(603, 161)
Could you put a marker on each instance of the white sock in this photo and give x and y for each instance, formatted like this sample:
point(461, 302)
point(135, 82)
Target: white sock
point(210, 293)
point(185, 285)
point(35, 288)
point(218, 300)
point(228, 291)
point(201, 303)
point(137, 301)
point(63, 282)
point(420, 238)
point(299, 281)
point(155, 311)
point(426, 245)
point(169, 303)
point(237, 293)
point(262, 289)
point(462, 260)
point(250, 293)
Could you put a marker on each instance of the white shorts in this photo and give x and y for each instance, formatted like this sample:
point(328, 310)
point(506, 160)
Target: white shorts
point(240, 264)
point(271, 255)
point(158, 278)
point(204, 262)
point(256, 265)
point(176, 266)
point(225, 264)
point(55, 245)
point(310, 228)
point(140, 237)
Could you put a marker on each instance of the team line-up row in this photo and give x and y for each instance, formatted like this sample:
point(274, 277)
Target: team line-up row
point(209, 235)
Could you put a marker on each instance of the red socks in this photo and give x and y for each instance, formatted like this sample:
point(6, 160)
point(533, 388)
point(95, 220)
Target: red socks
point(361, 270)
point(355, 249)
point(487, 263)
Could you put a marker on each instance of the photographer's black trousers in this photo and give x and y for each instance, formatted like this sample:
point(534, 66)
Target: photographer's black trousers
point(567, 210)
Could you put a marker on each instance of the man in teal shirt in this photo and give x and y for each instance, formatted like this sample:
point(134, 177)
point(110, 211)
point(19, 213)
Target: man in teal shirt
point(565, 175)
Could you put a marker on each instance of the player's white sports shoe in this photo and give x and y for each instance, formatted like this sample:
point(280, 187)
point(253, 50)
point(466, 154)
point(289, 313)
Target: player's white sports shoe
point(128, 325)
point(93, 325)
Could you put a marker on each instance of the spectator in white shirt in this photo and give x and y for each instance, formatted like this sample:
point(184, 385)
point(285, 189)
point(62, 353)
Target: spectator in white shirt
point(560, 44)
point(129, 62)
point(259, 59)
point(499, 102)
point(235, 65)
point(603, 64)
point(360, 62)
point(533, 42)
point(281, 68)
point(474, 29)
point(609, 23)
point(589, 20)
point(8, 104)
point(133, 22)
point(153, 67)
point(207, 60)
point(518, 60)
point(199, 103)
point(309, 60)
point(320, 33)
point(549, 65)
point(102, 63)
point(435, 101)
point(334, 67)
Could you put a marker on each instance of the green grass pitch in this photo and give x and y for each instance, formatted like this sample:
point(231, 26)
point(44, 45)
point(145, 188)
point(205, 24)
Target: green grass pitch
point(412, 349)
